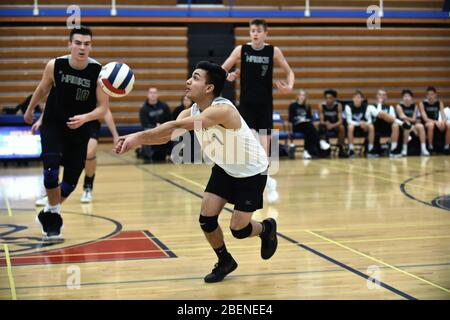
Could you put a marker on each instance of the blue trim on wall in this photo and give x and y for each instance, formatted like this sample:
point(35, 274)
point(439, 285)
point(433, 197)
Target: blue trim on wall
point(224, 13)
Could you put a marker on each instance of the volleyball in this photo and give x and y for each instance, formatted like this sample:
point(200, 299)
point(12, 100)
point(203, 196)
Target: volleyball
point(116, 79)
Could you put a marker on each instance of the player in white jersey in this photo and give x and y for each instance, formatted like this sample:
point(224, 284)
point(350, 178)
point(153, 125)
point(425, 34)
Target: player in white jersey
point(240, 171)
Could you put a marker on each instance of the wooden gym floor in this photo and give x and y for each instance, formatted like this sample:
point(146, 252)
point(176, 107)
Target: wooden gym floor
point(348, 229)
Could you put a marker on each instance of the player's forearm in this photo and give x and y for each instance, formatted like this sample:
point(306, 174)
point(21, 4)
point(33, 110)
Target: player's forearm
point(290, 78)
point(39, 94)
point(158, 135)
point(96, 114)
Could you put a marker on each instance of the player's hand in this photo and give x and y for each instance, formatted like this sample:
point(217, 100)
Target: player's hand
point(76, 121)
point(363, 125)
point(115, 139)
point(328, 125)
point(28, 116)
point(232, 76)
point(440, 125)
point(283, 86)
point(126, 143)
point(36, 126)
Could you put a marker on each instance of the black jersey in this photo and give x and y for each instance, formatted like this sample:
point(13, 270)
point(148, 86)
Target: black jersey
point(256, 73)
point(299, 113)
point(408, 110)
point(358, 114)
point(73, 93)
point(330, 114)
point(432, 110)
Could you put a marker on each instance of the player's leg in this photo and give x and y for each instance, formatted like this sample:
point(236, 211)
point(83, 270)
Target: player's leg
point(350, 137)
point(395, 134)
point(89, 170)
point(218, 192)
point(430, 134)
point(420, 131)
point(447, 138)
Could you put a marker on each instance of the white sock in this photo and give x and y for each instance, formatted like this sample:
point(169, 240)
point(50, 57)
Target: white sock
point(53, 209)
point(446, 147)
point(405, 148)
point(393, 146)
point(350, 146)
point(423, 146)
point(370, 146)
point(430, 146)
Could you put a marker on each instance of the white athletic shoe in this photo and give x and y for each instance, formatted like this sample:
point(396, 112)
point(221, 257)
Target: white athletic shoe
point(87, 196)
point(425, 153)
point(324, 145)
point(404, 151)
point(271, 187)
point(42, 202)
point(306, 155)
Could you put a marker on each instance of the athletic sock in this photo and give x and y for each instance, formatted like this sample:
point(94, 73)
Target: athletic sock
point(88, 182)
point(393, 146)
point(370, 147)
point(53, 209)
point(446, 147)
point(423, 146)
point(350, 146)
point(265, 229)
point(222, 253)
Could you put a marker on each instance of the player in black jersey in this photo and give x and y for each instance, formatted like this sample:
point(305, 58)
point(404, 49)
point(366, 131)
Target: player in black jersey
point(74, 99)
point(256, 99)
point(406, 111)
point(359, 123)
point(433, 117)
point(330, 114)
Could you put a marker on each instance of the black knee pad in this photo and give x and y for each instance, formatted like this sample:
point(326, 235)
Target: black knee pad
point(242, 233)
point(70, 180)
point(51, 163)
point(208, 224)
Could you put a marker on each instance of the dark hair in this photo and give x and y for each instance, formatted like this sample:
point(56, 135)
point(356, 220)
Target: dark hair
point(431, 88)
point(359, 92)
point(259, 22)
point(215, 75)
point(407, 91)
point(86, 31)
point(330, 91)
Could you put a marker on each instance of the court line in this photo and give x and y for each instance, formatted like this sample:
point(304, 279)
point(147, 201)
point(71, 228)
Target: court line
point(378, 261)
point(363, 275)
point(187, 180)
point(8, 207)
point(12, 285)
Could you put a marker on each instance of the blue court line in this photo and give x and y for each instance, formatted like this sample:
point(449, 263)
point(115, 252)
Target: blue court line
point(266, 274)
point(46, 12)
point(318, 253)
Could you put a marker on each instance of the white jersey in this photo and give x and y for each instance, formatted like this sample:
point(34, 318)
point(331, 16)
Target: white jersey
point(237, 151)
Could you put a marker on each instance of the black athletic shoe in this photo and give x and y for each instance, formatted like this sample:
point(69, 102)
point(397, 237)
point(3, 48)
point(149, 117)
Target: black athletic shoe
point(269, 240)
point(51, 224)
point(447, 152)
point(395, 154)
point(351, 154)
point(372, 154)
point(342, 154)
point(221, 269)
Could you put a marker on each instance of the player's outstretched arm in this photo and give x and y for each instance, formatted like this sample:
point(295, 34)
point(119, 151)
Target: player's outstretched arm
point(219, 114)
point(96, 114)
point(42, 90)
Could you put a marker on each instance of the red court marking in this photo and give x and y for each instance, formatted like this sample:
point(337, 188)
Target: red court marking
point(140, 246)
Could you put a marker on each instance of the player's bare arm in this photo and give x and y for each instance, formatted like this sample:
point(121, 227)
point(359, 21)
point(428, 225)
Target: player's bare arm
point(42, 90)
point(96, 114)
point(231, 62)
point(211, 116)
point(288, 85)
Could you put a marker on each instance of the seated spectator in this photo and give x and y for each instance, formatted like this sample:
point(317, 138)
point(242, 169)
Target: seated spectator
point(300, 117)
point(407, 112)
point(152, 114)
point(186, 103)
point(433, 117)
point(358, 124)
point(385, 122)
point(330, 114)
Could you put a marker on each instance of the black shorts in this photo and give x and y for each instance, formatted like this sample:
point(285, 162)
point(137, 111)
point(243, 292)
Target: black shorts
point(70, 144)
point(94, 129)
point(257, 115)
point(245, 193)
point(383, 128)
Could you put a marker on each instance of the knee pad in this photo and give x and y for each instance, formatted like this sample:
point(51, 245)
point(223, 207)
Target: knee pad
point(208, 224)
point(51, 169)
point(70, 180)
point(242, 233)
